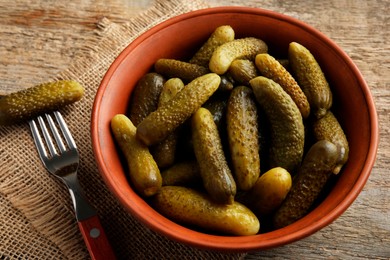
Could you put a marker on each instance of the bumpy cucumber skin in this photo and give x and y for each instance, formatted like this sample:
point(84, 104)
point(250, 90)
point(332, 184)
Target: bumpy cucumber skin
point(329, 128)
point(26, 104)
point(171, 68)
point(286, 123)
point(182, 174)
point(312, 176)
point(160, 123)
point(310, 78)
point(221, 35)
point(143, 170)
point(243, 136)
point(145, 97)
point(244, 48)
point(271, 68)
point(242, 71)
point(165, 151)
point(214, 170)
point(187, 206)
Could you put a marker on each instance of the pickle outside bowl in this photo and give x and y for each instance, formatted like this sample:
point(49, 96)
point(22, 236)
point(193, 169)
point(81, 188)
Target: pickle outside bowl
point(180, 37)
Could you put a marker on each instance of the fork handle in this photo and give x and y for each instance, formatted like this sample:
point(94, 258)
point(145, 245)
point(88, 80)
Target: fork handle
point(95, 238)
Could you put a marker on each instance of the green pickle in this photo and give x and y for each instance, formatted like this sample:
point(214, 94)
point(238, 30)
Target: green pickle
point(310, 78)
point(143, 170)
point(244, 48)
point(242, 71)
point(242, 129)
point(164, 152)
point(26, 104)
point(144, 99)
point(169, 116)
point(191, 207)
point(221, 35)
point(184, 173)
point(329, 128)
point(171, 68)
point(214, 170)
point(309, 182)
point(271, 68)
point(286, 123)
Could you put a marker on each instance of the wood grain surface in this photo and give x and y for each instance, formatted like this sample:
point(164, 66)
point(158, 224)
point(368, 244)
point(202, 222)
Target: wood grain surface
point(40, 38)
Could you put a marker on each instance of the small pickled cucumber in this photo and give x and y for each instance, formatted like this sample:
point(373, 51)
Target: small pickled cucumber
point(160, 123)
point(214, 170)
point(244, 48)
point(329, 128)
point(312, 176)
point(286, 124)
point(243, 136)
point(242, 71)
point(221, 35)
point(217, 107)
point(182, 174)
point(310, 78)
point(170, 88)
point(171, 68)
point(269, 191)
point(165, 151)
point(143, 170)
point(190, 207)
point(272, 69)
point(28, 103)
point(145, 97)
point(227, 84)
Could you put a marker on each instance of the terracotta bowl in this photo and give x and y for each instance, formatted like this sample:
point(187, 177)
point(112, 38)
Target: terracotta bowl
point(178, 38)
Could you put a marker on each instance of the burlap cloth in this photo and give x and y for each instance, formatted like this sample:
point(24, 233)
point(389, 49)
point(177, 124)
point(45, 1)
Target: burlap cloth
point(37, 219)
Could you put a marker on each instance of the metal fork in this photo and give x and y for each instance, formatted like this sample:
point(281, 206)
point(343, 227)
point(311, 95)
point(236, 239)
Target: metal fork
point(63, 161)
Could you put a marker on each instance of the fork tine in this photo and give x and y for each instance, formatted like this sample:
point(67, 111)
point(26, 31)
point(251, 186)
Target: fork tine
point(65, 131)
point(56, 134)
point(37, 139)
point(47, 137)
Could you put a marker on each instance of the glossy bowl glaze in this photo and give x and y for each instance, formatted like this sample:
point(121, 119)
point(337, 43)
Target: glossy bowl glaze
point(179, 38)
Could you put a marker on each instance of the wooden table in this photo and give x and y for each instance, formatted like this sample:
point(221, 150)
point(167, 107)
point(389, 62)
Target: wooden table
point(40, 38)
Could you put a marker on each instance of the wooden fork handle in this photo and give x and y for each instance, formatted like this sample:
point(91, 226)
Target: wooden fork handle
point(95, 239)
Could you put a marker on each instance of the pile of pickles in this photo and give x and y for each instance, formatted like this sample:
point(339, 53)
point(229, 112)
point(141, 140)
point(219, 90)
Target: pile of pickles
point(232, 136)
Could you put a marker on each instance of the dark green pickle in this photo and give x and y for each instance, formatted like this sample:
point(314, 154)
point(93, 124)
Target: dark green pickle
point(309, 182)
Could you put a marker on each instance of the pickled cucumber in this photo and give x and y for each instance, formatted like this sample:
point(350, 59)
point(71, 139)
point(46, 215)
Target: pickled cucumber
point(214, 170)
point(182, 174)
point(271, 68)
point(144, 99)
point(170, 88)
point(286, 124)
point(26, 104)
point(160, 123)
point(310, 78)
point(143, 170)
point(312, 176)
point(242, 71)
point(171, 68)
point(244, 48)
point(329, 128)
point(269, 191)
point(221, 35)
point(190, 207)
point(165, 151)
point(242, 129)
point(217, 107)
